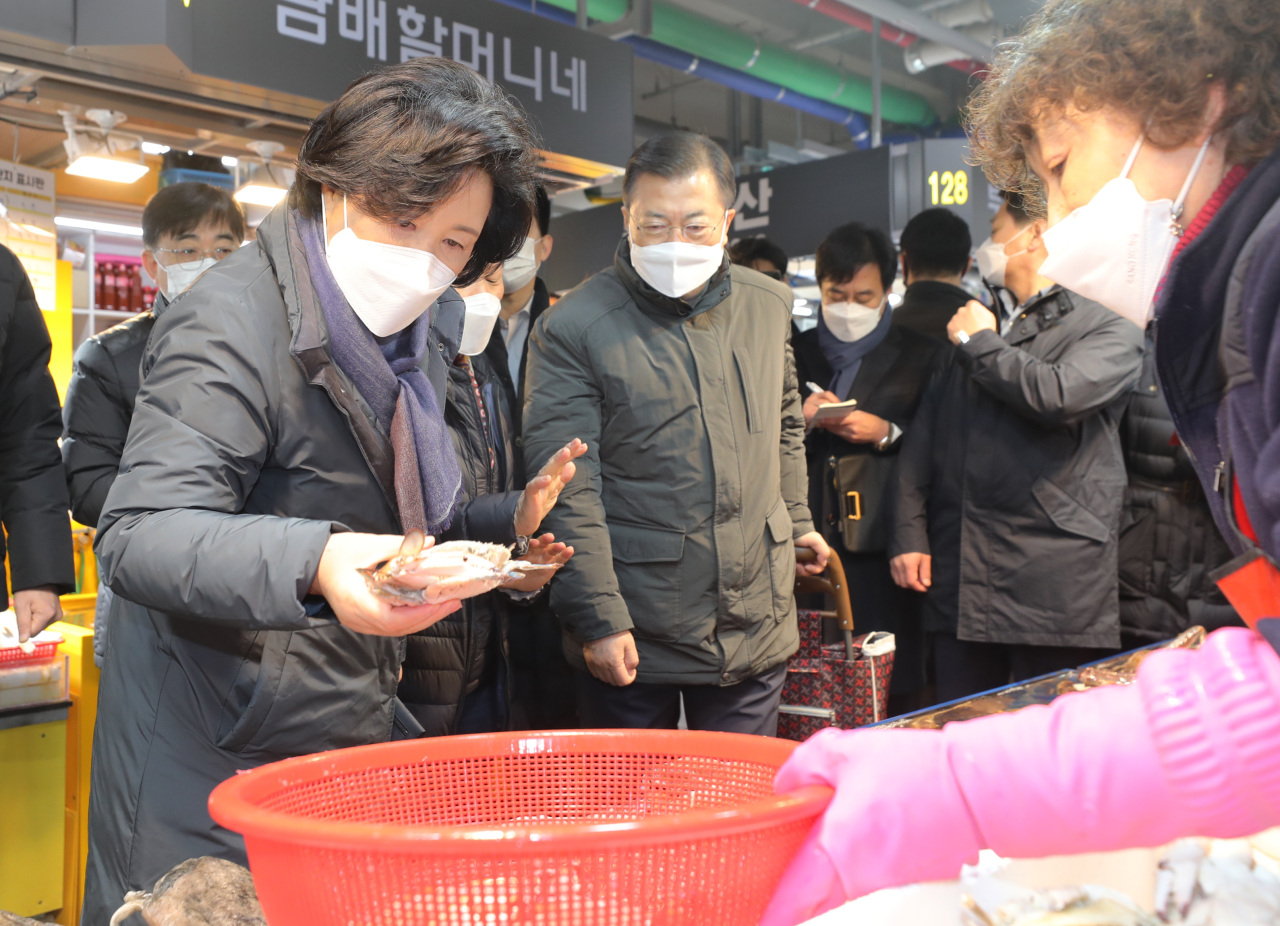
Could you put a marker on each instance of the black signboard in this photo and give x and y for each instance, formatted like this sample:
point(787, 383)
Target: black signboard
point(796, 206)
point(576, 85)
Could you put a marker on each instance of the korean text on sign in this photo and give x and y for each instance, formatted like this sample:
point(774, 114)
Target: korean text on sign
point(543, 71)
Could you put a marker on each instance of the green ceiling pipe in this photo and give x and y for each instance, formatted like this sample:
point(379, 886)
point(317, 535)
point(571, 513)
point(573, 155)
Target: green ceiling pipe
point(704, 38)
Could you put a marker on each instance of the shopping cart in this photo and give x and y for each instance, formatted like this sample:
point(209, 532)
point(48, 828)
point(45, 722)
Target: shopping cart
point(843, 684)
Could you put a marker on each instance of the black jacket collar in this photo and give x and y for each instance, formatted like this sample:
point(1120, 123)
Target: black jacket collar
point(655, 303)
point(1041, 313)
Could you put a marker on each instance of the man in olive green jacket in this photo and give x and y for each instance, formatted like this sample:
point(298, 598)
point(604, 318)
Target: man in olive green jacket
point(676, 369)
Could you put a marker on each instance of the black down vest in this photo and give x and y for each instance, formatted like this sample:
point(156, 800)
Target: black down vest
point(1168, 542)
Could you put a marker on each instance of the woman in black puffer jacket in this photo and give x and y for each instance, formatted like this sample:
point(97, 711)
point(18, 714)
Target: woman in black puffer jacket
point(456, 672)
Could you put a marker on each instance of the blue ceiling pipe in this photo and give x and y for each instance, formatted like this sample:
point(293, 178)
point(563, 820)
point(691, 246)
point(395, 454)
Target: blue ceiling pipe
point(728, 77)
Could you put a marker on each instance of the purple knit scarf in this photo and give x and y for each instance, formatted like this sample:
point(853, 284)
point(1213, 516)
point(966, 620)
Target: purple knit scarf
point(387, 373)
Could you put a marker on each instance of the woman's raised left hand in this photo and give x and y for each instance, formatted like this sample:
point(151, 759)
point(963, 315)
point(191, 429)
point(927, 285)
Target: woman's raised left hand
point(539, 496)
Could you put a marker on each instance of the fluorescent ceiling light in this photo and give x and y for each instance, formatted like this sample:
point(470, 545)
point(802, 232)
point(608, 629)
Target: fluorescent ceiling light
point(98, 168)
point(259, 194)
point(150, 147)
point(130, 231)
point(803, 311)
point(229, 161)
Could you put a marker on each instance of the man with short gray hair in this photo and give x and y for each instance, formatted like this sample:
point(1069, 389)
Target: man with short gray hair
point(675, 367)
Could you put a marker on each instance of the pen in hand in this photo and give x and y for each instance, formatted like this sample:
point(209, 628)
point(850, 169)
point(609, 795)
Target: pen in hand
point(813, 387)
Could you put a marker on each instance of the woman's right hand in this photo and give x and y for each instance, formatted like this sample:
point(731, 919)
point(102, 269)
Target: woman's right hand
point(358, 609)
point(815, 401)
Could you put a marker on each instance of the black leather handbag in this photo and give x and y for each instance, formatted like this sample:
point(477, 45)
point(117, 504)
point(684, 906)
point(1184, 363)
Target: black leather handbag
point(862, 483)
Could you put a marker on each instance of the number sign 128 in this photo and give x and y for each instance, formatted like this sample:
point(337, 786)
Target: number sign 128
point(951, 188)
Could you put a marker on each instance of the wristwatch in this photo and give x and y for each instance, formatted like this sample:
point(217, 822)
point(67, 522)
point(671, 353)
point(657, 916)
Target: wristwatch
point(962, 336)
point(887, 441)
point(521, 547)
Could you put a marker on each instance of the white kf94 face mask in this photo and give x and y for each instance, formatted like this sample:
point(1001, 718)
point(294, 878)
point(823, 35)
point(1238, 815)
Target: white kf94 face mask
point(675, 268)
point(992, 259)
point(1115, 248)
point(482, 314)
point(178, 277)
point(519, 270)
point(852, 321)
point(388, 286)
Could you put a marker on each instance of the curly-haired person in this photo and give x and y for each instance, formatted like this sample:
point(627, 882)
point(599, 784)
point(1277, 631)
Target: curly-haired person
point(1149, 133)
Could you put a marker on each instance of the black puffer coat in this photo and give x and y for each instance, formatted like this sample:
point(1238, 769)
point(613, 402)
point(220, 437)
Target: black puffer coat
point(449, 659)
point(1168, 542)
point(33, 492)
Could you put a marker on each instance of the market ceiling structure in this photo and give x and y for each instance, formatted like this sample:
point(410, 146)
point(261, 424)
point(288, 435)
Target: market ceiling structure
point(810, 64)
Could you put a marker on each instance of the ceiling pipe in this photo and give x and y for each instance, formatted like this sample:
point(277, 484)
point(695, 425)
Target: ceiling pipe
point(921, 25)
point(889, 32)
point(728, 77)
point(923, 55)
point(964, 13)
point(753, 86)
point(709, 41)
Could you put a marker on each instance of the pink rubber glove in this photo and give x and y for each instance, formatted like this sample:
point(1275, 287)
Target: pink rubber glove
point(1192, 749)
point(897, 817)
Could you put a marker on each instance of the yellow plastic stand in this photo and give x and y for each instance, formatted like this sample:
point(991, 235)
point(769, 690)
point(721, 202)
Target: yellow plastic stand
point(78, 646)
point(33, 764)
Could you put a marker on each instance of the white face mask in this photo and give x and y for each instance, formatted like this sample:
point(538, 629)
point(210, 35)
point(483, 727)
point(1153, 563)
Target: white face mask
point(482, 314)
point(992, 259)
point(675, 268)
point(519, 270)
point(852, 321)
point(177, 277)
point(1115, 248)
point(388, 286)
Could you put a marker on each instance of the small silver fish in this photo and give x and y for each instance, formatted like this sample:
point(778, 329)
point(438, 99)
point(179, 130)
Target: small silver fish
point(448, 572)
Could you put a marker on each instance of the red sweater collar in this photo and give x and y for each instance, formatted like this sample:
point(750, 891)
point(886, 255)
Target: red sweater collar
point(1210, 209)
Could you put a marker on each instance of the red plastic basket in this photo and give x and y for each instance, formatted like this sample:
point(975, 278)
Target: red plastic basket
point(11, 656)
point(591, 827)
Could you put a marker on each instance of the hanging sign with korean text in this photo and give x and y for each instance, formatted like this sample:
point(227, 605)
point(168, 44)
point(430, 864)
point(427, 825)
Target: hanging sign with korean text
point(576, 85)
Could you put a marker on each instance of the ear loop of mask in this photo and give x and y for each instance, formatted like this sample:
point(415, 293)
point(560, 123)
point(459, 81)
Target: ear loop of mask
point(325, 218)
point(1175, 226)
point(1015, 238)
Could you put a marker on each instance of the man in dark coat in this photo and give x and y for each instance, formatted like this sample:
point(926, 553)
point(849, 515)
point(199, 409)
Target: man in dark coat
point(185, 226)
point(935, 257)
point(1011, 485)
point(854, 456)
point(33, 491)
point(543, 691)
point(674, 366)
point(525, 297)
